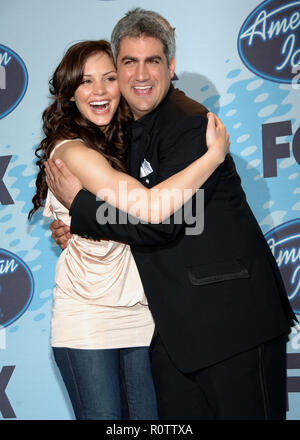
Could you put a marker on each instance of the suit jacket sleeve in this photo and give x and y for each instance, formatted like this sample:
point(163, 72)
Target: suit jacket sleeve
point(185, 143)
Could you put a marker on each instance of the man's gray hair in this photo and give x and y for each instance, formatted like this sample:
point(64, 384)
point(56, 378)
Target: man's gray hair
point(139, 22)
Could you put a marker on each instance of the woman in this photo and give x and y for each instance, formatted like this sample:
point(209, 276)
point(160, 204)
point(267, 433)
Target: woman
point(101, 326)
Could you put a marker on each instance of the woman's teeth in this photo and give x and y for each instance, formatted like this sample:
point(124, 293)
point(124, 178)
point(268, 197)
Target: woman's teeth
point(99, 105)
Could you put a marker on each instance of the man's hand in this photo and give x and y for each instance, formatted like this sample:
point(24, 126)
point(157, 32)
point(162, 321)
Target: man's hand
point(63, 184)
point(60, 233)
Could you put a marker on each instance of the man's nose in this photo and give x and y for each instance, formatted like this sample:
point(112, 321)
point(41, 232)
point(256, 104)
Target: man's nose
point(142, 73)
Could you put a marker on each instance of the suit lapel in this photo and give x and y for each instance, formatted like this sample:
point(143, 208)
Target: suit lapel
point(148, 133)
point(143, 146)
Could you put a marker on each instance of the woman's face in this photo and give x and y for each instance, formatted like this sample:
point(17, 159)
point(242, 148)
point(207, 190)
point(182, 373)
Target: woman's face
point(98, 95)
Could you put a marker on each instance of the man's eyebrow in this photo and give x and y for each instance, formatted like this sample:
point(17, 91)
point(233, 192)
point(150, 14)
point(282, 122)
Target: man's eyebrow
point(150, 58)
point(154, 57)
point(128, 57)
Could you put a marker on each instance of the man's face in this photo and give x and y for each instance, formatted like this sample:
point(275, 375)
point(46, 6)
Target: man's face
point(143, 73)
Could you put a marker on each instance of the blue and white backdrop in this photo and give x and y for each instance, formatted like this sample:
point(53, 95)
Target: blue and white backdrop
point(239, 58)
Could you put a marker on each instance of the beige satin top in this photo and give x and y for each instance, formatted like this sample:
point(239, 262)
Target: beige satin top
point(99, 300)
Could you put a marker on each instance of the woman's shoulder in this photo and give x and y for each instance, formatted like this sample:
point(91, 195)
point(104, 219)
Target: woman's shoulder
point(63, 145)
point(74, 153)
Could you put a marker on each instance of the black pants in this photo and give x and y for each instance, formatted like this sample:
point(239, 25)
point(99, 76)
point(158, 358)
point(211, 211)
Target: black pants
point(248, 386)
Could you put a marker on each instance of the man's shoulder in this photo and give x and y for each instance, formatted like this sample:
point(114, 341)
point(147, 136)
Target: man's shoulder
point(181, 104)
point(178, 109)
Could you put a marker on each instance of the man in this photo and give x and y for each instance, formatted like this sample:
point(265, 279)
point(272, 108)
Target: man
point(221, 311)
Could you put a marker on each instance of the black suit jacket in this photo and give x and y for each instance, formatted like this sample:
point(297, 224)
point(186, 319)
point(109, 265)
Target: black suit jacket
point(212, 295)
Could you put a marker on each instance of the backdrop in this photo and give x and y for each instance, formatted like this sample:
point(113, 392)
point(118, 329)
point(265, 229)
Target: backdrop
point(241, 59)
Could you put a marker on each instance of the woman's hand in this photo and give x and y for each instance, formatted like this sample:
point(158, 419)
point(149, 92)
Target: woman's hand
point(217, 138)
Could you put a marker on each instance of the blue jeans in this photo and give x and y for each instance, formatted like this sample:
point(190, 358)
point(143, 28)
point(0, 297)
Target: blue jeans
point(110, 384)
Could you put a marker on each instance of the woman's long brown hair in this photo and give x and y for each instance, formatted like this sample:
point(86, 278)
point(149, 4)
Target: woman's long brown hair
point(62, 120)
